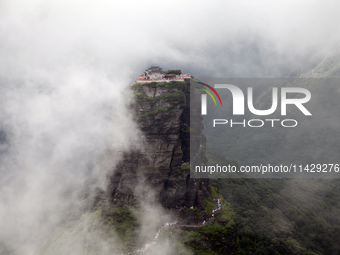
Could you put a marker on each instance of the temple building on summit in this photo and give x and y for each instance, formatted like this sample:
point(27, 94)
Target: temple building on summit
point(156, 74)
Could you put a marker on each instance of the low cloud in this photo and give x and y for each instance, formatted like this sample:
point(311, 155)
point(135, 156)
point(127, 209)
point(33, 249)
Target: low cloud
point(65, 65)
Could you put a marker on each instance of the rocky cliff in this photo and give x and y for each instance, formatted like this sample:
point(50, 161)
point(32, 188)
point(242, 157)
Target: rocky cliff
point(163, 113)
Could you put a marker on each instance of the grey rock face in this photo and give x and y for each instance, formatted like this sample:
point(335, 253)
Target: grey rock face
point(163, 113)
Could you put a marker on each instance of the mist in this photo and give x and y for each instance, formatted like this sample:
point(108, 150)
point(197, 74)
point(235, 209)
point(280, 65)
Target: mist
point(64, 71)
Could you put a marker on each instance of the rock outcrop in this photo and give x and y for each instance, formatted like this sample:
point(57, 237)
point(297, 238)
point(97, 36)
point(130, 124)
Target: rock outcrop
point(163, 112)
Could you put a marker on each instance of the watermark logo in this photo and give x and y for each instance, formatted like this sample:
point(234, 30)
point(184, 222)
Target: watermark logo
point(204, 97)
point(298, 97)
point(266, 128)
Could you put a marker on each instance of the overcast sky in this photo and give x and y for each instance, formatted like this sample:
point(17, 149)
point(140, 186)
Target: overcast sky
point(217, 38)
point(64, 65)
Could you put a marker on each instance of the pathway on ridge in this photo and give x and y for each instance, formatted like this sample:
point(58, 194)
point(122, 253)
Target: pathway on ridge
point(170, 224)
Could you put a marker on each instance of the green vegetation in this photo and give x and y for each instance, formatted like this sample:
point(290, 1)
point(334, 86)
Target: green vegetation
point(169, 85)
point(164, 97)
point(172, 98)
point(162, 103)
point(214, 238)
point(186, 130)
point(173, 237)
point(174, 72)
point(178, 154)
point(154, 111)
point(282, 216)
point(97, 230)
point(218, 236)
point(121, 220)
point(184, 167)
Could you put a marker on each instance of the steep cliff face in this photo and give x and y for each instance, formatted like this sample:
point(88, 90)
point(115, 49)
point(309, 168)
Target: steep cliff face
point(163, 114)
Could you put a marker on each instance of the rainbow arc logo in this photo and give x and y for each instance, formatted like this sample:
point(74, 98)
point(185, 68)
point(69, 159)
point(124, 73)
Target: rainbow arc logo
point(209, 93)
